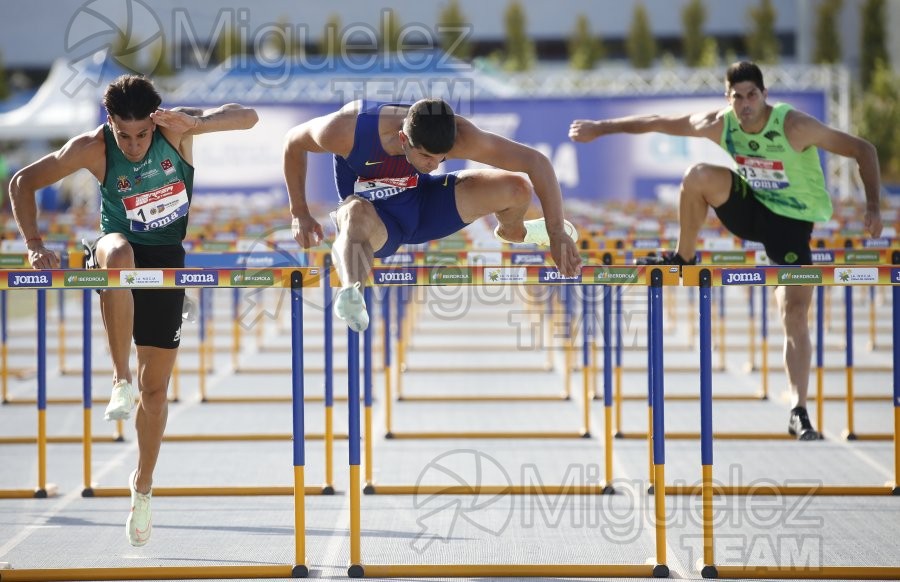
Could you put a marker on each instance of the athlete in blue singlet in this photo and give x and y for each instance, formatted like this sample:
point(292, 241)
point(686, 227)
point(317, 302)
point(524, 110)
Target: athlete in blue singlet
point(384, 154)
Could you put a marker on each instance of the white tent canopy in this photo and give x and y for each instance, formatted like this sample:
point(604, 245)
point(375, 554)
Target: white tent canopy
point(67, 103)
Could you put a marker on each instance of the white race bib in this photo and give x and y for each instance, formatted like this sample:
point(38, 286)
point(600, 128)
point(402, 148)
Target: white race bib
point(157, 208)
point(763, 174)
point(382, 188)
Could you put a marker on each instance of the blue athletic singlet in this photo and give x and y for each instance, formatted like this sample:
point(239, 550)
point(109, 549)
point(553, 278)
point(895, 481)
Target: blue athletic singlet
point(414, 207)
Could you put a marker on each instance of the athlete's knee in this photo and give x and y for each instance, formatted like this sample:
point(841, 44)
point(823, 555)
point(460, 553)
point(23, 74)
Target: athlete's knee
point(356, 216)
point(518, 190)
point(114, 252)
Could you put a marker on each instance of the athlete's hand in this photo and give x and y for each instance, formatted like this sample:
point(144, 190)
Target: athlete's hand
point(872, 222)
point(565, 255)
point(585, 130)
point(41, 257)
point(177, 121)
point(307, 231)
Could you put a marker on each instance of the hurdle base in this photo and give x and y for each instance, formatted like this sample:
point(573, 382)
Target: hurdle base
point(50, 490)
point(847, 435)
point(709, 571)
point(356, 571)
point(660, 571)
point(327, 490)
point(651, 490)
point(896, 491)
point(87, 492)
point(369, 489)
point(300, 571)
point(607, 488)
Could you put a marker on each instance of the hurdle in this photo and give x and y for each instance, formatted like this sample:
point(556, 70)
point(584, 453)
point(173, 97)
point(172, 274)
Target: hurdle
point(583, 432)
point(359, 569)
point(707, 277)
point(299, 569)
point(604, 276)
point(704, 277)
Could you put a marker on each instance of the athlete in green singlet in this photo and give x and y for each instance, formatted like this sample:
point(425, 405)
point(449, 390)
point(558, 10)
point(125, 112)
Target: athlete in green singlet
point(774, 196)
point(142, 158)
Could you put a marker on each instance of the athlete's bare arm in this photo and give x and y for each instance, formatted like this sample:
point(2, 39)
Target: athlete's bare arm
point(180, 124)
point(705, 124)
point(488, 148)
point(803, 131)
point(88, 151)
point(332, 133)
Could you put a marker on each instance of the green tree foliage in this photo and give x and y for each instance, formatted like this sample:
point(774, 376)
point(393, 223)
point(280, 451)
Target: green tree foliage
point(4, 84)
point(229, 44)
point(161, 61)
point(454, 31)
point(878, 116)
point(762, 42)
point(331, 38)
point(693, 17)
point(828, 37)
point(585, 49)
point(390, 30)
point(640, 44)
point(122, 50)
point(520, 53)
point(874, 40)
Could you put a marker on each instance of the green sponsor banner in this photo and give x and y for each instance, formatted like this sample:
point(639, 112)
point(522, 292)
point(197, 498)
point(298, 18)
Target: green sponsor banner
point(85, 279)
point(252, 278)
point(616, 276)
point(217, 246)
point(862, 257)
point(452, 245)
point(728, 258)
point(13, 261)
point(800, 276)
point(442, 259)
point(451, 276)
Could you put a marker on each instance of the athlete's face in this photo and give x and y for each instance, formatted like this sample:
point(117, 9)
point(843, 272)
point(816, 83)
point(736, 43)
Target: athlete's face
point(132, 136)
point(420, 158)
point(748, 103)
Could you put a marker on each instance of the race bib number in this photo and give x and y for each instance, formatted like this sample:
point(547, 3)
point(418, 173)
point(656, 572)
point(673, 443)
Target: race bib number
point(383, 188)
point(157, 208)
point(763, 174)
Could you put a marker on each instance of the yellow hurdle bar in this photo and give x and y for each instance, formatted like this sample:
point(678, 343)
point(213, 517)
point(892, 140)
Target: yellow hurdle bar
point(809, 573)
point(224, 491)
point(145, 573)
point(772, 489)
point(659, 500)
point(535, 489)
point(300, 569)
point(505, 571)
point(707, 516)
point(488, 435)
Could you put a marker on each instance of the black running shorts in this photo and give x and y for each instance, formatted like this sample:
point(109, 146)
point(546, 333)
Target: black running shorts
point(786, 240)
point(157, 312)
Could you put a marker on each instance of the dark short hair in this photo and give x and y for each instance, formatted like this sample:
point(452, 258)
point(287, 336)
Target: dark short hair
point(744, 71)
point(431, 124)
point(131, 97)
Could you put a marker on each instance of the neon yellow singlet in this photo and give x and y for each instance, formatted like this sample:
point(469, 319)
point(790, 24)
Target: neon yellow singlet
point(788, 182)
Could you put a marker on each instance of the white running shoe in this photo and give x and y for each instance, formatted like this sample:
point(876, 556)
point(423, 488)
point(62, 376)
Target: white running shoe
point(121, 401)
point(350, 305)
point(138, 526)
point(536, 233)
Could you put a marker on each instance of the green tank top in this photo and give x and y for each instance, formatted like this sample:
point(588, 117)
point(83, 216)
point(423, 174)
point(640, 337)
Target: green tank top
point(788, 182)
point(146, 201)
